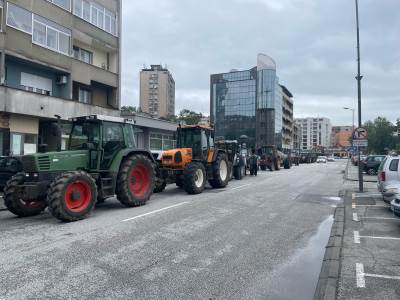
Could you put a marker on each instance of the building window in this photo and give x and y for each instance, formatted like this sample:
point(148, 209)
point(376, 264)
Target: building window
point(36, 84)
point(65, 4)
point(23, 143)
point(51, 35)
point(19, 18)
point(1, 15)
point(85, 96)
point(83, 55)
point(97, 15)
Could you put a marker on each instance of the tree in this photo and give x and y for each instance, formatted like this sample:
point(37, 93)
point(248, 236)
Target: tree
point(129, 109)
point(189, 117)
point(380, 135)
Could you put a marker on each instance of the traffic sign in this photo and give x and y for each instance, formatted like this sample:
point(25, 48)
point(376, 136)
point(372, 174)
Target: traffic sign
point(360, 134)
point(360, 143)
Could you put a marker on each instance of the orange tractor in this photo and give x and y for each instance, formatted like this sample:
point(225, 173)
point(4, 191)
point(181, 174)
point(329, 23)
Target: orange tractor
point(195, 161)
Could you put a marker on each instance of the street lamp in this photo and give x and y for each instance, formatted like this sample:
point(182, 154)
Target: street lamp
point(353, 110)
point(359, 78)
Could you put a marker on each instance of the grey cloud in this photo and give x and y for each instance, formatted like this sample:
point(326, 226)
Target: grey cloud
point(312, 41)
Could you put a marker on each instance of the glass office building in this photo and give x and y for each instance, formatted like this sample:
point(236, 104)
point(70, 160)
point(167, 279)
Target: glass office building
point(248, 103)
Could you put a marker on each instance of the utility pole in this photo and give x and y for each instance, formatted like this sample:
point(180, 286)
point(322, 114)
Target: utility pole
point(359, 78)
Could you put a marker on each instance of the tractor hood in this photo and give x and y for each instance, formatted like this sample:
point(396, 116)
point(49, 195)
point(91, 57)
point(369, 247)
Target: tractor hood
point(55, 161)
point(176, 158)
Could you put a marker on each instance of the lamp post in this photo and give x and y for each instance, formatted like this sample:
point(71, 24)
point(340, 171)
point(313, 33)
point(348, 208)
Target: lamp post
point(359, 78)
point(353, 111)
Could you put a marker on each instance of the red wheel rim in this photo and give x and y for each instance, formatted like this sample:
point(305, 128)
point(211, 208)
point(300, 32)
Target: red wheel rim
point(78, 196)
point(139, 180)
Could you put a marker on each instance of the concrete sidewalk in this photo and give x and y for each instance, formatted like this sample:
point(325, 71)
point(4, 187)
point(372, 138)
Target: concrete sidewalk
point(351, 174)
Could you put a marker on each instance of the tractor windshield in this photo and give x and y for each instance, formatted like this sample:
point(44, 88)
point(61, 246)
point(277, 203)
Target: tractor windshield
point(83, 134)
point(189, 138)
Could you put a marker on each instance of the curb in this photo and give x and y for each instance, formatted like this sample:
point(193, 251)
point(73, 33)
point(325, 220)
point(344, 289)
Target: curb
point(331, 265)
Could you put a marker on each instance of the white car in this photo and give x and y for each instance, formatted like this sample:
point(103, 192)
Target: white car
point(322, 159)
point(331, 159)
point(388, 172)
point(391, 191)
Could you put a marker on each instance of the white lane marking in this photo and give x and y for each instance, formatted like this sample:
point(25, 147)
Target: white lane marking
point(379, 237)
point(377, 206)
point(155, 211)
point(366, 195)
point(360, 275)
point(356, 237)
point(379, 218)
point(382, 276)
point(239, 187)
point(355, 217)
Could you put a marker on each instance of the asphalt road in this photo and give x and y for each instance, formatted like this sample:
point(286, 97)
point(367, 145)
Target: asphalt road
point(261, 238)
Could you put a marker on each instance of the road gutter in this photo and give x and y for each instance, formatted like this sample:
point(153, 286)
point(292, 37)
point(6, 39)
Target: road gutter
point(331, 265)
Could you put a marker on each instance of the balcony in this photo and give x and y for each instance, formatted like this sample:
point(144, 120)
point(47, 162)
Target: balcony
point(32, 104)
point(86, 73)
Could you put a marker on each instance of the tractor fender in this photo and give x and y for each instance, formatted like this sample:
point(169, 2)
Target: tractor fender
point(215, 154)
point(115, 166)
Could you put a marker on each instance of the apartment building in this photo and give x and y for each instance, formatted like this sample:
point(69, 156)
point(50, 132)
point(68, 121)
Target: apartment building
point(287, 119)
point(57, 57)
point(157, 91)
point(297, 135)
point(316, 133)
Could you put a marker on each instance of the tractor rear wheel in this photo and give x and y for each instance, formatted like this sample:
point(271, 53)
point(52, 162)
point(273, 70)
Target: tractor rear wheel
point(72, 196)
point(194, 178)
point(220, 172)
point(15, 203)
point(135, 183)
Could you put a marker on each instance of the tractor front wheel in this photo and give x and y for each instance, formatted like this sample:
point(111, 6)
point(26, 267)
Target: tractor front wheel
point(160, 185)
point(135, 183)
point(220, 171)
point(194, 178)
point(16, 204)
point(72, 196)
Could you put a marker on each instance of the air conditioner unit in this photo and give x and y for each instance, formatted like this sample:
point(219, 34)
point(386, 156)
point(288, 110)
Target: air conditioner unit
point(63, 79)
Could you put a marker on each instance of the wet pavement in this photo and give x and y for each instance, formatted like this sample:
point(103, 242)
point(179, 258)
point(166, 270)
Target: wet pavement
point(249, 241)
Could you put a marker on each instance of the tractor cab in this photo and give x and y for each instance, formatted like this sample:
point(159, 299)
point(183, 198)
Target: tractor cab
point(104, 138)
point(199, 138)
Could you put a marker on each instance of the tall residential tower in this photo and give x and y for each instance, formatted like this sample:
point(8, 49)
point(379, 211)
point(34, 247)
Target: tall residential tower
point(157, 92)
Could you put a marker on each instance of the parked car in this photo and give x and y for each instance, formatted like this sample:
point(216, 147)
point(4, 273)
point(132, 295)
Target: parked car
point(388, 172)
point(395, 206)
point(390, 191)
point(322, 159)
point(331, 159)
point(9, 166)
point(371, 164)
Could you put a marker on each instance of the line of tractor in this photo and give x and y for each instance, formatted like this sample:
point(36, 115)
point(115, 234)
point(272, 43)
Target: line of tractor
point(102, 161)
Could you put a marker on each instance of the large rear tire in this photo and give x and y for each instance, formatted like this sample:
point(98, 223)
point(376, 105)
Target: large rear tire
point(194, 178)
point(72, 196)
point(220, 172)
point(136, 180)
point(16, 204)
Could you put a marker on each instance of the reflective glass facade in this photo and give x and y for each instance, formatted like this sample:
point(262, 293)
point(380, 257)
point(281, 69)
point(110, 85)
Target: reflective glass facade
point(247, 103)
point(233, 104)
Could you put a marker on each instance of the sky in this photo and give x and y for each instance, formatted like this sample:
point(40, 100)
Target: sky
point(312, 41)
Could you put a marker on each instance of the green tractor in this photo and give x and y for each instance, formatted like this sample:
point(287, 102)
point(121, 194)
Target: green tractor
point(101, 161)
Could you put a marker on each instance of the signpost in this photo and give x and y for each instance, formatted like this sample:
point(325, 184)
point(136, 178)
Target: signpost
point(360, 139)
